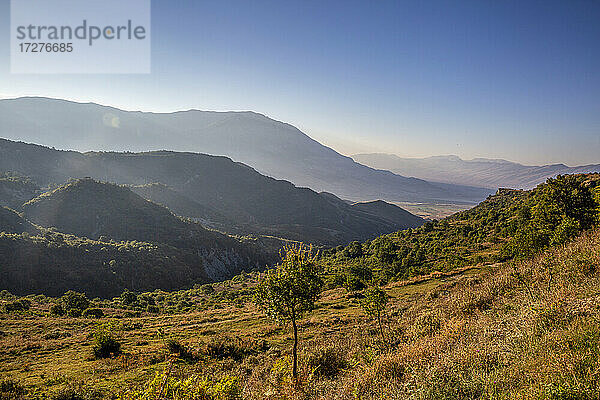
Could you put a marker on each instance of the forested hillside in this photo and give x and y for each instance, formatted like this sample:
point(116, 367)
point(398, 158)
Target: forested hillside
point(507, 225)
point(215, 190)
point(101, 238)
point(16, 190)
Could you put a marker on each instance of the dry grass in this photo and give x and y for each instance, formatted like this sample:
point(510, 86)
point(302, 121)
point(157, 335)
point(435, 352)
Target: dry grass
point(524, 331)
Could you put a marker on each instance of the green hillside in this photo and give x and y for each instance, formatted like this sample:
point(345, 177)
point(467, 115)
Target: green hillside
point(54, 263)
point(184, 206)
point(507, 225)
point(111, 239)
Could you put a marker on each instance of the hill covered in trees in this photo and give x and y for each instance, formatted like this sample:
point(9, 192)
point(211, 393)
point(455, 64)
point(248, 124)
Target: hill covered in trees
point(16, 190)
point(226, 195)
point(102, 238)
point(507, 225)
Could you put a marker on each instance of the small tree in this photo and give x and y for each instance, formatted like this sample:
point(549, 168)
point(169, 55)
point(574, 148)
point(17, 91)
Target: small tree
point(290, 290)
point(374, 304)
point(128, 297)
point(106, 343)
point(75, 301)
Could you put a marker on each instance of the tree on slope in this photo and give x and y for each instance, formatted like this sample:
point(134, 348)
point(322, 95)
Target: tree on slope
point(290, 290)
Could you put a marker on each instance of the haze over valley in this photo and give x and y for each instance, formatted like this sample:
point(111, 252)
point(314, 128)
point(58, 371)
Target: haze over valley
point(489, 173)
point(271, 147)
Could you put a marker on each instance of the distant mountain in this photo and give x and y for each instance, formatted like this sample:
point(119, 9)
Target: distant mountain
point(274, 148)
point(490, 173)
point(227, 195)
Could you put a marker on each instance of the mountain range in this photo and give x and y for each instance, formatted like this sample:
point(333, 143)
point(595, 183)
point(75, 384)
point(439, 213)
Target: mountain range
point(483, 172)
point(273, 148)
point(212, 190)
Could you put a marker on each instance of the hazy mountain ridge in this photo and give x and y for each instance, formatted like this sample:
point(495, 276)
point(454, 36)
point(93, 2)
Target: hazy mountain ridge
point(14, 191)
point(274, 148)
point(491, 173)
point(253, 202)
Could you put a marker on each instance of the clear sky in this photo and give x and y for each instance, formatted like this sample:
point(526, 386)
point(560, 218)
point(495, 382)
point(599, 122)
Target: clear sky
point(510, 79)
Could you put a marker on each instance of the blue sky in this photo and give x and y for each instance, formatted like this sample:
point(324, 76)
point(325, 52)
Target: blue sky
point(508, 79)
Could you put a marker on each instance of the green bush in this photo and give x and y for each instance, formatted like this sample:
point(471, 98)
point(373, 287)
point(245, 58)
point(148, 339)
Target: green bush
point(17, 306)
point(105, 341)
point(75, 301)
point(222, 347)
point(74, 313)
point(57, 309)
point(152, 309)
point(6, 295)
point(128, 297)
point(174, 346)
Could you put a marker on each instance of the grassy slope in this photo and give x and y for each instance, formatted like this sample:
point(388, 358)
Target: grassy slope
point(530, 330)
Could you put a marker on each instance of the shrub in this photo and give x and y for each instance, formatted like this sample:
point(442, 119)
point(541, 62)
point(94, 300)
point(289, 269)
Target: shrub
point(75, 301)
point(93, 313)
point(207, 289)
point(128, 297)
point(222, 347)
point(57, 309)
point(18, 305)
point(105, 341)
point(74, 313)
point(152, 309)
point(327, 361)
point(6, 295)
point(191, 388)
point(174, 346)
